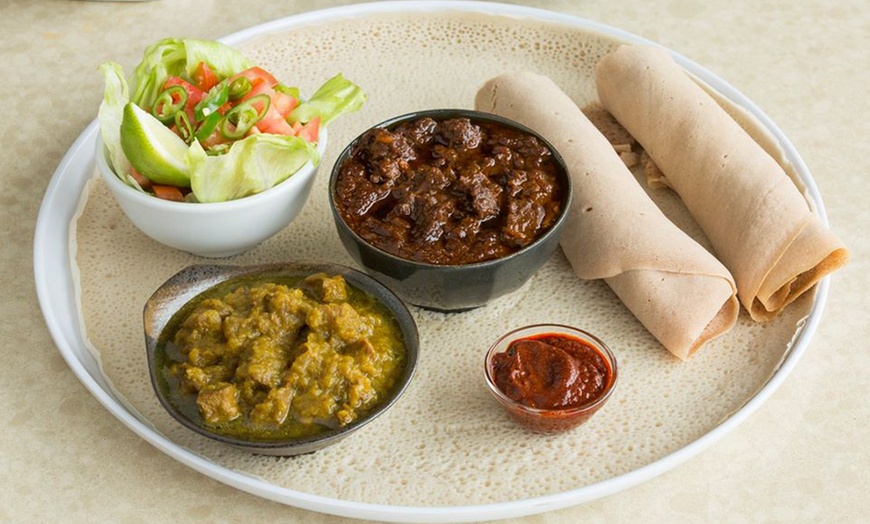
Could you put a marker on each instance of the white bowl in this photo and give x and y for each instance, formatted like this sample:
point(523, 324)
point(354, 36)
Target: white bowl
point(219, 229)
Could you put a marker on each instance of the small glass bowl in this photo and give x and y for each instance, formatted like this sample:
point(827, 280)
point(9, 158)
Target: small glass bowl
point(550, 420)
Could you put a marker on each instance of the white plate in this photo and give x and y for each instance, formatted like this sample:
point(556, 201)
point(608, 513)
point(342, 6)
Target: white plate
point(56, 291)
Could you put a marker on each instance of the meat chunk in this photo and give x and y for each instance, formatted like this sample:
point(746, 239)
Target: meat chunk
point(263, 363)
point(359, 194)
point(327, 397)
point(388, 154)
point(484, 193)
point(194, 378)
point(340, 324)
point(420, 132)
point(434, 211)
point(458, 133)
point(524, 219)
point(327, 289)
point(273, 410)
point(219, 403)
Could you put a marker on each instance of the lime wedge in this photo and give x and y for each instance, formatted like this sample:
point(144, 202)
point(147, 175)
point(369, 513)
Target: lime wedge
point(153, 149)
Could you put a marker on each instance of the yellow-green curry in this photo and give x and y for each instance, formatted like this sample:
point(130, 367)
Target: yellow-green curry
point(282, 360)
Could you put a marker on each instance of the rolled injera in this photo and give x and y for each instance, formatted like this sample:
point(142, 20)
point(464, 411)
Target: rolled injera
point(675, 288)
point(758, 222)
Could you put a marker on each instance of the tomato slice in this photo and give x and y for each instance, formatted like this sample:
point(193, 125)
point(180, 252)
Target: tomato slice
point(204, 77)
point(280, 105)
point(256, 75)
point(309, 131)
point(283, 102)
point(194, 94)
point(274, 123)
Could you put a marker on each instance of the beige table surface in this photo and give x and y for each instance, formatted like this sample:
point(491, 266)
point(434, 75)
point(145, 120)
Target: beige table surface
point(804, 456)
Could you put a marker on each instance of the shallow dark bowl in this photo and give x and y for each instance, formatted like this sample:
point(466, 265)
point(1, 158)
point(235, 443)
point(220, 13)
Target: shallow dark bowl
point(452, 287)
point(192, 281)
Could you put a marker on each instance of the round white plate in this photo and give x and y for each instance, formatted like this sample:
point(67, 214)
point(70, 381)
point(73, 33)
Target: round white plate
point(57, 297)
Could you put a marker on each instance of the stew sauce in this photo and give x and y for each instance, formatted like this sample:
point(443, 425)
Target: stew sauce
point(451, 192)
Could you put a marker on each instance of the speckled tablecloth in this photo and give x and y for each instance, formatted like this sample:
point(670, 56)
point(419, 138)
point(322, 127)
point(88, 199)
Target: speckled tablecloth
point(804, 456)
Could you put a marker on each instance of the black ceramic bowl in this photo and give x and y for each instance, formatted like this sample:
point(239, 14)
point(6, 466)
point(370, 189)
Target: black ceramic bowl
point(160, 315)
point(452, 287)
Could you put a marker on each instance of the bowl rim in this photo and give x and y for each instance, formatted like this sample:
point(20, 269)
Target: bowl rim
point(442, 114)
point(599, 345)
point(217, 274)
point(107, 172)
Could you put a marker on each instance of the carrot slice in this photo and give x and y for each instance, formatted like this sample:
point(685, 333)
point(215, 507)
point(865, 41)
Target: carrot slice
point(143, 182)
point(167, 192)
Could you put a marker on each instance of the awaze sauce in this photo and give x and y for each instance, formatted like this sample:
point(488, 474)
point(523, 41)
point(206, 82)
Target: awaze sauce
point(552, 372)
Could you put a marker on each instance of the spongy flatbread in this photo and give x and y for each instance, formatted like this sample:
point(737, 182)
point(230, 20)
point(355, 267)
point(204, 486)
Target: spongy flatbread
point(759, 224)
point(445, 442)
point(676, 288)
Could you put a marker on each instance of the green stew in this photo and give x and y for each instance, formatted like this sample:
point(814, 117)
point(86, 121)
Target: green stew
point(269, 360)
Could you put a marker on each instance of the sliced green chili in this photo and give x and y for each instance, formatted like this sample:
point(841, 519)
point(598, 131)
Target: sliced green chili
point(212, 101)
point(239, 87)
point(169, 102)
point(241, 118)
point(207, 126)
point(183, 126)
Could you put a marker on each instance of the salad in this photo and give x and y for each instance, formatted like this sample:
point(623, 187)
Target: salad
point(198, 122)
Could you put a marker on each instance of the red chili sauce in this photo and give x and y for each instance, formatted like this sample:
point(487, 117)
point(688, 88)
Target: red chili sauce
point(551, 371)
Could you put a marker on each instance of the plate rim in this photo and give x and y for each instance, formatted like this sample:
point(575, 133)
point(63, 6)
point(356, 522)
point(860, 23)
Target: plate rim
point(52, 261)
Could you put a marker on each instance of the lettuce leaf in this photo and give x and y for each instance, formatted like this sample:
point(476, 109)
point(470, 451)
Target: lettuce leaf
point(180, 57)
point(334, 98)
point(252, 165)
point(110, 115)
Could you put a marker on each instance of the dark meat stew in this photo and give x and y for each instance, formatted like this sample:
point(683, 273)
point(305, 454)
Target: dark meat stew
point(449, 192)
